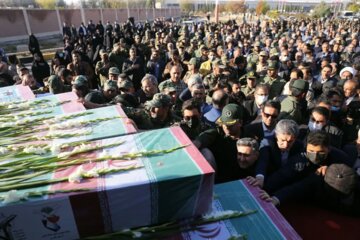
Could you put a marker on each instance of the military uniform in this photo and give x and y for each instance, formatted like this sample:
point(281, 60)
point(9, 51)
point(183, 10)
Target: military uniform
point(291, 107)
point(142, 117)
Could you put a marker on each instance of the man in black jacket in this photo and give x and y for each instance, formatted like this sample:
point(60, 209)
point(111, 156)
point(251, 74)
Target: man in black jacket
point(266, 127)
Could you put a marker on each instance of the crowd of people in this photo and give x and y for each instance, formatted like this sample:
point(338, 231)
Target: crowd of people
point(275, 102)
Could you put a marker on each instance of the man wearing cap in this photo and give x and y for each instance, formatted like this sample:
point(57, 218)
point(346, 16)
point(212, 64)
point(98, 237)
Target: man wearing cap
point(221, 142)
point(254, 56)
point(262, 66)
point(113, 74)
point(273, 80)
point(56, 86)
point(249, 88)
point(193, 69)
point(102, 67)
point(126, 86)
point(104, 96)
point(213, 78)
point(157, 113)
point(294, 106)
point(80, 86)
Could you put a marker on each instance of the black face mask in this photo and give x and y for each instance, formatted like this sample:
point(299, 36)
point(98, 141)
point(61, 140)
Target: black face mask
point(193, 122)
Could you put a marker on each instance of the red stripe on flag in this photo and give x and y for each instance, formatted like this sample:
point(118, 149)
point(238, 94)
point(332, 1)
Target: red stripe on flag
point(25, 92)
point(128, 126)
point(73, 106)
point(88, 214)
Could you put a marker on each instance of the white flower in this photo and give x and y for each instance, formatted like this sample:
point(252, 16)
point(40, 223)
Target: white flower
point(82, 147)
point(7, 124)
point(64, 155)
point(92, 173)
point(76, 176)
point(67, 125)
point(218, 214)
point(3, 150)
point(55, 148)
point(104, 154)
point(137, 234)
point(13, 196)
point(35, 150)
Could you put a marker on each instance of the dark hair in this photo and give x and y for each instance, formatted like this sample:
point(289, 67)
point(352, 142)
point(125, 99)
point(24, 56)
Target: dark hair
point(318, 138)
point(328, 66)
point(190, 105)
point(64, 73)
point(299, 73)
point(272, 104)
point(334, 91)
point(323, 111)
point(323, 99)
point(13, 59)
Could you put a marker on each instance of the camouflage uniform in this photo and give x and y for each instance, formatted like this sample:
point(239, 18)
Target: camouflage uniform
point(142, 117)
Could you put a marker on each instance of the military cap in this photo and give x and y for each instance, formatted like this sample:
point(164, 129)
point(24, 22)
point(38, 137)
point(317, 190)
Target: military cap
point(102, 52)
point(274, 52)
point(159, 100)
point(264, 53)
point(110, 85)
point(55, 84)
point(114, 70)
point(251, 75)
point(165, 84)
point(272, 65)
point(126, 85)
point(127, 100)
point(257, 44)
point(218, 63)
point(299, 84)
point(80, 80)
point(230, 114)
point(192, 61)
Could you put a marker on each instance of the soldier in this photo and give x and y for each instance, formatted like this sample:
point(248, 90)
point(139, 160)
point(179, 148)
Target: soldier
point(157, 113)
point(249, 88)
point(254, 56)
point(102, 67)
point(262, 66)
point(273, 80)
point(174, 81)
point(294, 106)
point(118, 55)
point(212, 79)
point(104, 96)
point(193, 69)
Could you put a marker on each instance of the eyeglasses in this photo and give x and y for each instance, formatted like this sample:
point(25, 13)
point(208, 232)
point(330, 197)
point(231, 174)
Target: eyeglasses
point(267, 115)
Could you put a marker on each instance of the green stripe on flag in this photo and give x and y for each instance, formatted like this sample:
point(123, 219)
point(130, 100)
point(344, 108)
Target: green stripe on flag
point(177, 177)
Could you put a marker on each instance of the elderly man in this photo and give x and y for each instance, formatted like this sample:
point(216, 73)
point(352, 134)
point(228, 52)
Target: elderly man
point(174, 81)
point(149, 86)
point(274, 154)
point(351, 88)
point(253, 107)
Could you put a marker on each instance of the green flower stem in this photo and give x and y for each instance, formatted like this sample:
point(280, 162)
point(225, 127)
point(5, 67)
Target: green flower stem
point(168, 229)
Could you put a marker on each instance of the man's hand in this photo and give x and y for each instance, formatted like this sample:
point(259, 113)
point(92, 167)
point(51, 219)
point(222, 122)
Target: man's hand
point(255, 181)
point(321, 170)
point(266, 197)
